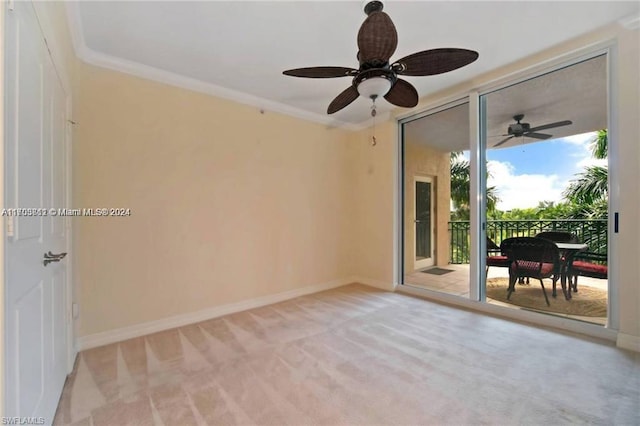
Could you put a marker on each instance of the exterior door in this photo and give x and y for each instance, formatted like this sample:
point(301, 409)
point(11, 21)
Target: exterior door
point(36, 325)
point(424, 219)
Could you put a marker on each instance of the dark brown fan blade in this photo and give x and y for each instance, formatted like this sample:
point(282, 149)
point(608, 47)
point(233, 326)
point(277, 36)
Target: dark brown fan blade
point(377, 38)
point(402, 94)
point(321, 72)
point(502, 141)
point(551, 125)
point(434, 61)
point(343, 99)
point(537, 135)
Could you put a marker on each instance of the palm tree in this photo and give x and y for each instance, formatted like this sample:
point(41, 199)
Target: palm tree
point(461, 186)
point(589, 189)
point(599, 144)
point(588, 193)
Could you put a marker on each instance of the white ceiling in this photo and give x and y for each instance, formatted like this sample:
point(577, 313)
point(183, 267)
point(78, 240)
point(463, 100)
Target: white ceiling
point(239, 49)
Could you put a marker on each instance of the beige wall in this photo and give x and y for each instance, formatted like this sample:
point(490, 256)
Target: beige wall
point(379, 246)
point(373, 204)
point(227, 203)
point(425, 161)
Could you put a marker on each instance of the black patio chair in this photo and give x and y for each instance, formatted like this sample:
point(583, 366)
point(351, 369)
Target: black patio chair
point(559, 236)
point(495, 257)
point(562, 237)
point(531, 257)
point(587, 264)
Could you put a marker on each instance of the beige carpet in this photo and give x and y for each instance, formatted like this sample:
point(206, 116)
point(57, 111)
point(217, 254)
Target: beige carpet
point(587, 302)
point(354, 356)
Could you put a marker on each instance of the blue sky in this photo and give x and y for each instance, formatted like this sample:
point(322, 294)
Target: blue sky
point(526, 174)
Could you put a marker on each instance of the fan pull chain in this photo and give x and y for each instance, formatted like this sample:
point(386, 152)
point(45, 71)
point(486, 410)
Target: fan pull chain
point(373, 114)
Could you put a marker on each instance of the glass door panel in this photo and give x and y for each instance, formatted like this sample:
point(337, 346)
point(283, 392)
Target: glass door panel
point(547, 173)
point(435, 169)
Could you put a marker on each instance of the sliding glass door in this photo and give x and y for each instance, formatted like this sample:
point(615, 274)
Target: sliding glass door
point(538, 159)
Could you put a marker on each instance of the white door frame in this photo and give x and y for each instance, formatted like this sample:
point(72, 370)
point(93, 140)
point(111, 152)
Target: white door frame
point(429, 261)
point(3, 235)
point(69, 296)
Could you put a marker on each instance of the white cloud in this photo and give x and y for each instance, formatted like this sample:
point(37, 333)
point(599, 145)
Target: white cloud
point(582, 139)
point(522, 191)
point(590, 161)
point(581, 151)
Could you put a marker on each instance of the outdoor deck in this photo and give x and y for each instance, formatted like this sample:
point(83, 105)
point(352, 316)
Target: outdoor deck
point(457, 283)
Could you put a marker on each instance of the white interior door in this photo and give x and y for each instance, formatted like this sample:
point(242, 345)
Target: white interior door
point(36, 327)
point(424, 222)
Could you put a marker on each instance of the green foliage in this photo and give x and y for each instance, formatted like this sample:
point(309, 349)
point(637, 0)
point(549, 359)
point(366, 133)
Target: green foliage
point(600, 144)
point(461, 188)
point(587, 194)
point(589, 187)
point(544, 210)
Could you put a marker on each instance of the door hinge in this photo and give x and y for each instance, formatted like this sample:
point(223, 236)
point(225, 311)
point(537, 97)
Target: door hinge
point(10, 226)
point(11, 5)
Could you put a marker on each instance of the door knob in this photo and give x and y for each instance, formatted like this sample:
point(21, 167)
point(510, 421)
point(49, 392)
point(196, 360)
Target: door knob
point(50, 257)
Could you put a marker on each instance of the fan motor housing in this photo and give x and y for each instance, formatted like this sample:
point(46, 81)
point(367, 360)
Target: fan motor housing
point(519, 128)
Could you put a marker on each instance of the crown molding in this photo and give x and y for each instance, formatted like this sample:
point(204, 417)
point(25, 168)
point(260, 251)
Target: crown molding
point(90, 56)
point(631, 22)
point(161, 76)
point(76, 31)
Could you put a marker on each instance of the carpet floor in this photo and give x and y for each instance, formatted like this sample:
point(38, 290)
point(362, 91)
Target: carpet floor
point(354, 355)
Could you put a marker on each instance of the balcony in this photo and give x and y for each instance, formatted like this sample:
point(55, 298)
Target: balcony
point(588, 304)
point(591, 232)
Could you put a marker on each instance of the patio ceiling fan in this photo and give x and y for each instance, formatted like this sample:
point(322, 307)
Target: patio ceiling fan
point(376, 76)
point(518, 129)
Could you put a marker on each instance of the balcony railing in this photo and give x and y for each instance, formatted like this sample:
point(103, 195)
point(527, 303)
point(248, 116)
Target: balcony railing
point(592, 232)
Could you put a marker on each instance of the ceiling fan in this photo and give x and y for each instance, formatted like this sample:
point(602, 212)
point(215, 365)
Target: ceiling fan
point(376, 77)
point(518, 129)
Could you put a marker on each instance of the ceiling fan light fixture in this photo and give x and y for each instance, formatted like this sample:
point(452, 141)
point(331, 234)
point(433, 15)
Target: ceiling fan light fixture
point(377, 76)
point(374, 87)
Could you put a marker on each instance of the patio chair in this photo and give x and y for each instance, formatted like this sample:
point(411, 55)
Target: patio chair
point(559, 236)
point(584, 263)
point(537, 258)
point(495, 257)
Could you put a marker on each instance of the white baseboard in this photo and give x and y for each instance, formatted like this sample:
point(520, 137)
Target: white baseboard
point(628, 341)
point(137, 330)
point(383, 285)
